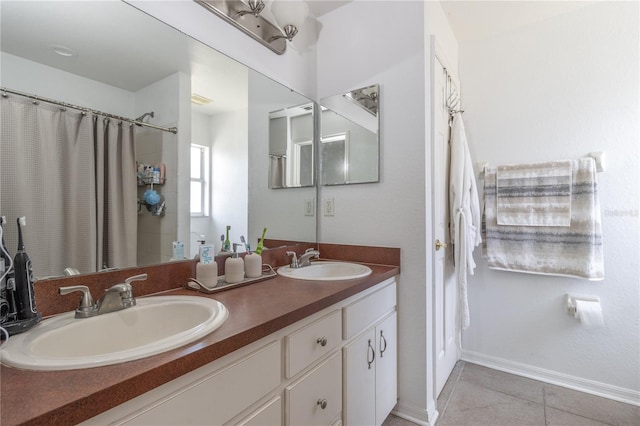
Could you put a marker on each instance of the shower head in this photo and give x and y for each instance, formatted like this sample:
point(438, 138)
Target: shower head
point(141, 118)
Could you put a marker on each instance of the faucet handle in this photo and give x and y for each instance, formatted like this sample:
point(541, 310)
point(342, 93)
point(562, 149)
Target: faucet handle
point(140, 277)
point(294, 258)
point(125, 290)
point(86, 306)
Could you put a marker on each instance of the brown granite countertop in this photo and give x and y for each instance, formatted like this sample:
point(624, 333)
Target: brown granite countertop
point(255, 311)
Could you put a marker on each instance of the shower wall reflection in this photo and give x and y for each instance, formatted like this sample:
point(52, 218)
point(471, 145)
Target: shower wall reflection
point(349, 151)
point(291, 156)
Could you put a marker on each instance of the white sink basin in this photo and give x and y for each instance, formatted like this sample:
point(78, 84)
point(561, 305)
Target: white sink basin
point(156, 324)
point(326, 271)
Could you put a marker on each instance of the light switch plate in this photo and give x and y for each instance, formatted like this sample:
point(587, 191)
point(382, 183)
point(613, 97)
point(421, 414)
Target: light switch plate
point(309, 209)
point(328, 207)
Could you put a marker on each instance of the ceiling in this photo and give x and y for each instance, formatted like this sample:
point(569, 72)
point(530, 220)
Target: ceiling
point(131, 52)
point(478, 19)
point(318, 8)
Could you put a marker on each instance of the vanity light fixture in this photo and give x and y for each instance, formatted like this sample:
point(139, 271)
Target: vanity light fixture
point(290, 16)
point(366, 98)
point(247, 16)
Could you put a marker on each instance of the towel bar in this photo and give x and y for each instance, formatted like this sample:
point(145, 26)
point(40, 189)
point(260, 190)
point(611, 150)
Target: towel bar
point(598, 156)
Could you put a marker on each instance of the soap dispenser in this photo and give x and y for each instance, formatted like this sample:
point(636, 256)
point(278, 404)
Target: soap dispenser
point(253, 265)
point(233, 269)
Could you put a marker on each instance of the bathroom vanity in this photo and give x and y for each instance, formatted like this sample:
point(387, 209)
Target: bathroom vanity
point(291, 352)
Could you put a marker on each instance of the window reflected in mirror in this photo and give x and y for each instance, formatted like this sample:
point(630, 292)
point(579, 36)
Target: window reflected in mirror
point(199, 180)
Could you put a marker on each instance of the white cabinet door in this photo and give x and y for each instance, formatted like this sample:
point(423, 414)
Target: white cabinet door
point(360, 380)
point(386, 368)
point(370, 375)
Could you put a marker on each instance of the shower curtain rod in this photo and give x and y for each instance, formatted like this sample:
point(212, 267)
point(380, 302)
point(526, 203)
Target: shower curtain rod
point(4, 91)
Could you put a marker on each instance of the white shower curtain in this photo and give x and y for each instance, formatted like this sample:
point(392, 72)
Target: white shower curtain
point(48, 174)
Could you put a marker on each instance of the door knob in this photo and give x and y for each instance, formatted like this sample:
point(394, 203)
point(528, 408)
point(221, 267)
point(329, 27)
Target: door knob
point(440, 245)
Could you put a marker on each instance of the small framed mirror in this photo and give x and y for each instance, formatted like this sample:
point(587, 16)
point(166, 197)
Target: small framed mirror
point(349, 140)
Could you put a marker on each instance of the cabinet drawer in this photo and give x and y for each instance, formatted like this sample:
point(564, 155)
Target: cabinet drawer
point(305, 346)
point(220, 396)
point(306, 397)
point(269, 414)
point(364, 312)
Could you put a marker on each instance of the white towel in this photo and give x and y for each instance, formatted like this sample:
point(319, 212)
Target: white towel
point(536, 194)
point(464, 208)
point(574, 251)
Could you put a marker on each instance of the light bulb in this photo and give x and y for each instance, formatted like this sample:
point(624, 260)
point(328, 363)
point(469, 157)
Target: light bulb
point(290, 13)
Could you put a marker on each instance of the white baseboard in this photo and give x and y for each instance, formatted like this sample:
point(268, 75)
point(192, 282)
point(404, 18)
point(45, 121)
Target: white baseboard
point(604, 390)
point(415, 415)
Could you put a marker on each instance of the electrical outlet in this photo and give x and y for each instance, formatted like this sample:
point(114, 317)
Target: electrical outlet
point(329, 209)
point(309, 209)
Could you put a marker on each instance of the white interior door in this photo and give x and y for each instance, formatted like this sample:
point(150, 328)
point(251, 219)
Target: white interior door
point(446, 350)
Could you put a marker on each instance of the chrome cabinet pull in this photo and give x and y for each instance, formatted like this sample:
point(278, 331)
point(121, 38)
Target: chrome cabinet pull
point(382, 340)
point(322, 341)
point(322, 403)
point(373, 355)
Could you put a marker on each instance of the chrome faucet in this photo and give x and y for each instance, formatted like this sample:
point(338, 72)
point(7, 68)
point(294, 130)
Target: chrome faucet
point(116, 298)
point(305, 259)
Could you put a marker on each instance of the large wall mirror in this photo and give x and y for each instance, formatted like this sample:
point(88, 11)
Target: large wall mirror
point(111, 57)
point(349, 148)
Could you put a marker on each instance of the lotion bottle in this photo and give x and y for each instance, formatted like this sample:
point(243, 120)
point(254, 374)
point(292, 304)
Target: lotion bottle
point(253, 265)
point(207, 274)
point(233, 269)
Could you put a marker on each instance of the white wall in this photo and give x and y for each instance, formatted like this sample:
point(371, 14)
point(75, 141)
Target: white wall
point(554, 90)
point(280, 210)
point(230, 170)
point(361, 45)
point(36, 79)
point(296, 68)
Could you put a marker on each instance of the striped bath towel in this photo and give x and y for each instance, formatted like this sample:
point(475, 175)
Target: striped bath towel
point(534, 194)
point(574, 251)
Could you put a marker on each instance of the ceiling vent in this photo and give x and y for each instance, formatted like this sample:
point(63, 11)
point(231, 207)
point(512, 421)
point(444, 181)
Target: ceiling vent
point(200, 100)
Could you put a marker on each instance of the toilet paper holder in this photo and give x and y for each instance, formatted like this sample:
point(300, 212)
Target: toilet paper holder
point(572, 298)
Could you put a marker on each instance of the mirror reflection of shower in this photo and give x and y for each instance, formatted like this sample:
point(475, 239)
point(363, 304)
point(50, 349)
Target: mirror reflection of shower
point(143, 116)
point(349, 149)
point(291, 159)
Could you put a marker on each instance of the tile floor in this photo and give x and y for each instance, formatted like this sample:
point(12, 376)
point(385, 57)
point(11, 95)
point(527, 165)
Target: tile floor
point(480, 396)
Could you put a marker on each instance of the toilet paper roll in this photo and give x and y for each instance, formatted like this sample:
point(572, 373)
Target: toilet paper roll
point(207, 274)
point(589, 313)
